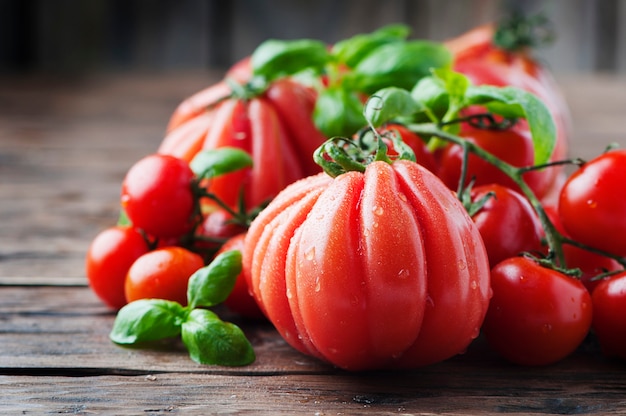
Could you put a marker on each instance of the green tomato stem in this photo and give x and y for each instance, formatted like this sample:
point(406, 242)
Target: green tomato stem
point(553, 237)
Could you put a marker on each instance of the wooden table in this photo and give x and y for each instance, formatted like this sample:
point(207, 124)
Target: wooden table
point(65, 145)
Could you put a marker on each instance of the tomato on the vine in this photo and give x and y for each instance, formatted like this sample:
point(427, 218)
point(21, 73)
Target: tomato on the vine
point(110, 255)
point(507, 222)
point(609, 315)
point(162, 274)
point(592, 204)
point(513, 145)
point(240, 299)
point(379, 269)
point(537, 315)
point(158, 197)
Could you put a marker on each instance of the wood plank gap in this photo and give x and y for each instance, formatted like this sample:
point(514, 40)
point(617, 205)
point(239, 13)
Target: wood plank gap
point(43, 281)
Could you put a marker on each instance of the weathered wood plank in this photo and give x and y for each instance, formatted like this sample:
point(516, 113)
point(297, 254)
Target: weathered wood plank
point(468, 390)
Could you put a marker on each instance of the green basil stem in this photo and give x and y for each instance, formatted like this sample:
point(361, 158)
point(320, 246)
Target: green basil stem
point(553, 237)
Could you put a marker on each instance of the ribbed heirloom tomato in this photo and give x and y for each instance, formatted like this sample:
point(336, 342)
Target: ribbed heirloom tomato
point(376, 269)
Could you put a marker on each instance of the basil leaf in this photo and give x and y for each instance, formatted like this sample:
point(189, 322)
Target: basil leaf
point(212, 284)
point(215, 162)
point(338, 112)
point(147, 320)
point(210, 340)
point(351, 51)
point(390, 103)
point(275, 58)
point(513, 102)
point(431, 93)
point(398, 64)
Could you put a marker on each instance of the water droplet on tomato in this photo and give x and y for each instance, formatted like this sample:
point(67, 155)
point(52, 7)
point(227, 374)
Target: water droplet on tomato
point(474, 284)
point(318, 285)
point(462, 265)
point(378, 210)
point(429, 301)
point(310, 255)
point(592, 203)
point(475, 332)
point(546, 328)
point(404, 273)
point(289, 294)
point(402, 197)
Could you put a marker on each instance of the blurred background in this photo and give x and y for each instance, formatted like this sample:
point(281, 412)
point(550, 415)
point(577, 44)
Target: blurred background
point(74, 36)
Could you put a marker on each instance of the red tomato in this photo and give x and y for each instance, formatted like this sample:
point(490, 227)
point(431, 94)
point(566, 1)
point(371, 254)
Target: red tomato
point(591, 264)
point(162, 274)
point(370, 270)
point(513, 145)
point(240, 299)
point(609, 315)
point(507, 223)
point(537, 316)
point(108, 259)
point(157, 196)
point(216, 229)
point(476, 56)
point(276, 128)
point(592, 203)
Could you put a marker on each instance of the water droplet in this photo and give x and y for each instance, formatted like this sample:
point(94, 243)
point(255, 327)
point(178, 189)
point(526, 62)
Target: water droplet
point(318, 285)
point(462, 265)
point(546, 328)
point(404, 273)
point(402, 197)
point(375, 225)
point(378, 210)
point(592, 203)
point(475, 332)
point(474, 284)
point(310, 255)
point(354, 301)
point(289, 294)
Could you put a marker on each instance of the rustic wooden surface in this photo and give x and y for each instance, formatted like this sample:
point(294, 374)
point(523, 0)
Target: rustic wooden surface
point(65, 145)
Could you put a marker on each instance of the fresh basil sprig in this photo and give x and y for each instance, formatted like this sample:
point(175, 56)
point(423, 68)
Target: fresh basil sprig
point(208, 339)
point(441, 96)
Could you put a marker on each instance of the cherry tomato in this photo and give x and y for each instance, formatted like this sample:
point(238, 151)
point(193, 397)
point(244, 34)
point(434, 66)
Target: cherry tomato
point(157, 196)
point(513, 145)
point(380, 269)
point(592, 204)
point(108, 259)
point(162, 274)
point(216, 228)
point(537, 316)
point(240, 299)
point(507, 223)
point(590, 264)
point(609, 315)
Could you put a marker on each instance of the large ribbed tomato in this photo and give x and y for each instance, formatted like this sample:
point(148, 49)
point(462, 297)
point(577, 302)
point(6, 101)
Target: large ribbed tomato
point(380, 269)
point(274, 126)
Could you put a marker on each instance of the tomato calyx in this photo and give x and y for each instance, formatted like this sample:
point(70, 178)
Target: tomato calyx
point(339, 155)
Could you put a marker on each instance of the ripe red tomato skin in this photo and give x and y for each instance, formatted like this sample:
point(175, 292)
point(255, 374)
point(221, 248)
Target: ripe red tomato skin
point(316, 257)
point(157, 196)
point(162, 274)
point(109, 256)
point(609, 315)
point(592, 204)
point(537, 316)
point(240, 299)
point(507, 222)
